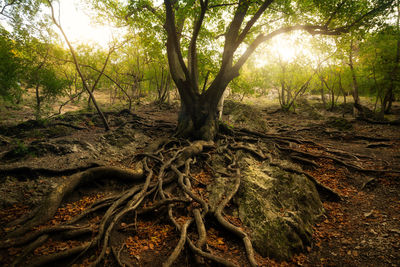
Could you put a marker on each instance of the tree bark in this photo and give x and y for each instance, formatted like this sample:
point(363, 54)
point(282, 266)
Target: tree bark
point(356, 98)
point(389, 96)
point(198, 115)
point(38, 103)
point(78, 69)
point(322, 93)
point(197, 118)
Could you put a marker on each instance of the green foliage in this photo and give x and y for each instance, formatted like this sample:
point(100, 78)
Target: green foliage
point(252, 81)
point(339, 123)
point(378, 62)
point(52, 85)
point(139, 65)
point(11, 69)
point(19, 150)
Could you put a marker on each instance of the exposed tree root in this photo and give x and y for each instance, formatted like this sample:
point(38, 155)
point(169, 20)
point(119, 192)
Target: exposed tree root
point(54, 199)
point(67, 125)
point(337, 160)
point(29, 249)
point(29, 237)
point(235, 230)
point(303, 160)
point(43, 260)
point(274, 137)
point(162, 182)
point(34, 172)
point(287, 141)
point(395, 122)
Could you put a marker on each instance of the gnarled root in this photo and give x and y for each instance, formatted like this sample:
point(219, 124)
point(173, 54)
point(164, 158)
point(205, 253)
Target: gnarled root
point(54, 199)
point(166, 166)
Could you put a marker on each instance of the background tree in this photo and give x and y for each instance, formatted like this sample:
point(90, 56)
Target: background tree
point(379, 63)
point(11, 68)
point(43, 72)
point(78, 69)
point(188, 28)
point(253, 80)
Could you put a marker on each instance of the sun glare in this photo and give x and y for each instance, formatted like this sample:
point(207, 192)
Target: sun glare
point(79, 27)
point(283, 47)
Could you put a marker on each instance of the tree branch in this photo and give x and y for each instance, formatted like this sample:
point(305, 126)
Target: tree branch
point(178, 67)
point(106, 126)
point(192, 58)
point(251, 22)
point(339, 6)
point(5, 6)
point(222, 5)
point(312, 29)
point(232, 34)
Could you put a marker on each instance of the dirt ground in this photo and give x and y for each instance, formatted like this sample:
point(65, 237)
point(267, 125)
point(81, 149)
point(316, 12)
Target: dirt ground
point(362, 229)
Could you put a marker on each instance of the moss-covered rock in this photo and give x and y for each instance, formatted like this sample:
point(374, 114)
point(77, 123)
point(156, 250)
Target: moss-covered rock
point(278, 207)
point(241, 114)
point(122, 136)
point(339, 123)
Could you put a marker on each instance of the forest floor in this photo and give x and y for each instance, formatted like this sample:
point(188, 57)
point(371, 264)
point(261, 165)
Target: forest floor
point(362, 229)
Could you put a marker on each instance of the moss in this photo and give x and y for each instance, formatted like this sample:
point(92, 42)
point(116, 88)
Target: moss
point(280, 208)
point(339, 123)
point(19, 150)
point(121, 137)
point(240, 113)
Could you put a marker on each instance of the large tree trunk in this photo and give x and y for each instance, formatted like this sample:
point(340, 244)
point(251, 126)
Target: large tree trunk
point(198, 118)
point(197, 121)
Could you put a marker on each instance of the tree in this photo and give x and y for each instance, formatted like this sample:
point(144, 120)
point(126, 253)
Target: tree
point(77, 66)
point(11, 68)
point(42, 73)
point(244, 30)
point(251, 80)
point(291, 79)
point(380, 60)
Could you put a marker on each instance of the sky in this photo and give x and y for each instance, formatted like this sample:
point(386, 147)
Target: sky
point(78, 25)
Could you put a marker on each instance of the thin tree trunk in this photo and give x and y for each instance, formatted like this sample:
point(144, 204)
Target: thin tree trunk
point(342, 89)
point(323, 93)
point(38, 103)
point(355, 93)
point(103, 118)
point(389, 96)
